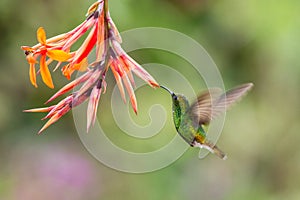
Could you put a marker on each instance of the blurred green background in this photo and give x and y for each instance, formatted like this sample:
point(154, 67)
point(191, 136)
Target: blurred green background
point(254, 41)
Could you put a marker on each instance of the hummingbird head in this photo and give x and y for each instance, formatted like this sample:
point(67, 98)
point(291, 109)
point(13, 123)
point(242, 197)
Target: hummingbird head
point(178, 99)
point(180, 105)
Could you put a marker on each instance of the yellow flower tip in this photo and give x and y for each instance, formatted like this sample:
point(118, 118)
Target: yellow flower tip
point(45, 73)
point(43, 128)
point(38, 110)
point(55, 117)
point(35, 110)
point(58, 55)
point(52, 120)
point(33, 81)
point(51, 86)
point(41, 35)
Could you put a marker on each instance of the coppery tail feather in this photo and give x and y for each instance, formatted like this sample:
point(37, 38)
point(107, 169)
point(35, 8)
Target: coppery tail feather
point(214, 149)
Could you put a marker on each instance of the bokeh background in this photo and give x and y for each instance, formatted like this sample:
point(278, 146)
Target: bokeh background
point(254, 41)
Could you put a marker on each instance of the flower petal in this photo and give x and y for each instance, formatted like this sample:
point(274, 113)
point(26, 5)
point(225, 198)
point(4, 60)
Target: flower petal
point(70, 86)
point(67, 101)
point(55, 117)
point(101, 44)
point(86, 47)
point(58, 55)
point(30, 59)
point(89, 83)
point(45, 73)
point(41, 36)
point(115, 31)
point(47, 109)
point(93, 105)
point(27, 48)
point(130, 76)
point(114, 69)
point(75, 34)
point(66, 71)
point(140, 71)
point(92, 8)
point(32, 74)
point(82, 66)
point(130, 92)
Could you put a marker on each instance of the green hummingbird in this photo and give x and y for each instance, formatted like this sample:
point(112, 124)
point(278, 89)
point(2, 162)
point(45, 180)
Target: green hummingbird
point(190, 120)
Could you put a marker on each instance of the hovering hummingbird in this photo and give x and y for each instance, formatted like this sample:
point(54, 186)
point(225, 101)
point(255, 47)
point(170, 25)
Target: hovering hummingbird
point(190, 121)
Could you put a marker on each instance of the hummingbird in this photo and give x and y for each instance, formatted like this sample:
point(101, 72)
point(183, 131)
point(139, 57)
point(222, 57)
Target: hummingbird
point(191, 120)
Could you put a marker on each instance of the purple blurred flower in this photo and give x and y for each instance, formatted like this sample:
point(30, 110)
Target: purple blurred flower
point(53, 173)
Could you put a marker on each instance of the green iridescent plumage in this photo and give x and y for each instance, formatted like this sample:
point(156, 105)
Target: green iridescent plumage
point(190, 120)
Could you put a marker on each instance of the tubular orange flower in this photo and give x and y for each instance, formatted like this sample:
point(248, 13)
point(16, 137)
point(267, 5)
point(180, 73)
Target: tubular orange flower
point(104, 37)
point(44, 51)
point(32, 74)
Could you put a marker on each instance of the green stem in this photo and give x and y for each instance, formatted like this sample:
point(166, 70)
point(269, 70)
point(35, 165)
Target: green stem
point(106, 16)
point(105, 7)
point(107, 43)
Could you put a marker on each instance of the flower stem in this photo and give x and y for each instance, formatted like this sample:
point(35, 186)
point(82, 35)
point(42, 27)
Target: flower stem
point(105, 7)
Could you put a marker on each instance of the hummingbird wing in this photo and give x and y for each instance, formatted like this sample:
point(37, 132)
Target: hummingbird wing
point(212, 103)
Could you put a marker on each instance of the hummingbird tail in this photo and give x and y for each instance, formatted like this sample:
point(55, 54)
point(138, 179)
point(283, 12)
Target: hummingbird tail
point(219, 153)
point(216, 150)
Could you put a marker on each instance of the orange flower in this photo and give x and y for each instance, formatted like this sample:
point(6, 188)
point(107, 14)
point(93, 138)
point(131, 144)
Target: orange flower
point(44, 51)
point(104, 37)
point(32, 74)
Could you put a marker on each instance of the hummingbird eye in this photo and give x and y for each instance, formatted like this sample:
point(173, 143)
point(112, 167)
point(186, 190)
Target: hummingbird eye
point(174, 97)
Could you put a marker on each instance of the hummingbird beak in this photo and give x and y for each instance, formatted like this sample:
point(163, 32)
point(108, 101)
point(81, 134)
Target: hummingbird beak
point(172, 93)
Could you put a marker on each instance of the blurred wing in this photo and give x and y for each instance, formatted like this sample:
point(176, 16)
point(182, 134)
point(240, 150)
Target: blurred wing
point(201, 110)
point(211, 104)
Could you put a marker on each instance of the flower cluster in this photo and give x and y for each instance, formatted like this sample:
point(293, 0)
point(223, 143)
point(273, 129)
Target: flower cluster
point(104, 37)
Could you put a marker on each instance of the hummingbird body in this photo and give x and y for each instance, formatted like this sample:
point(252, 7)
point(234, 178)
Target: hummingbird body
point(186, 128)
point(189, 130)
point(190, 121)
